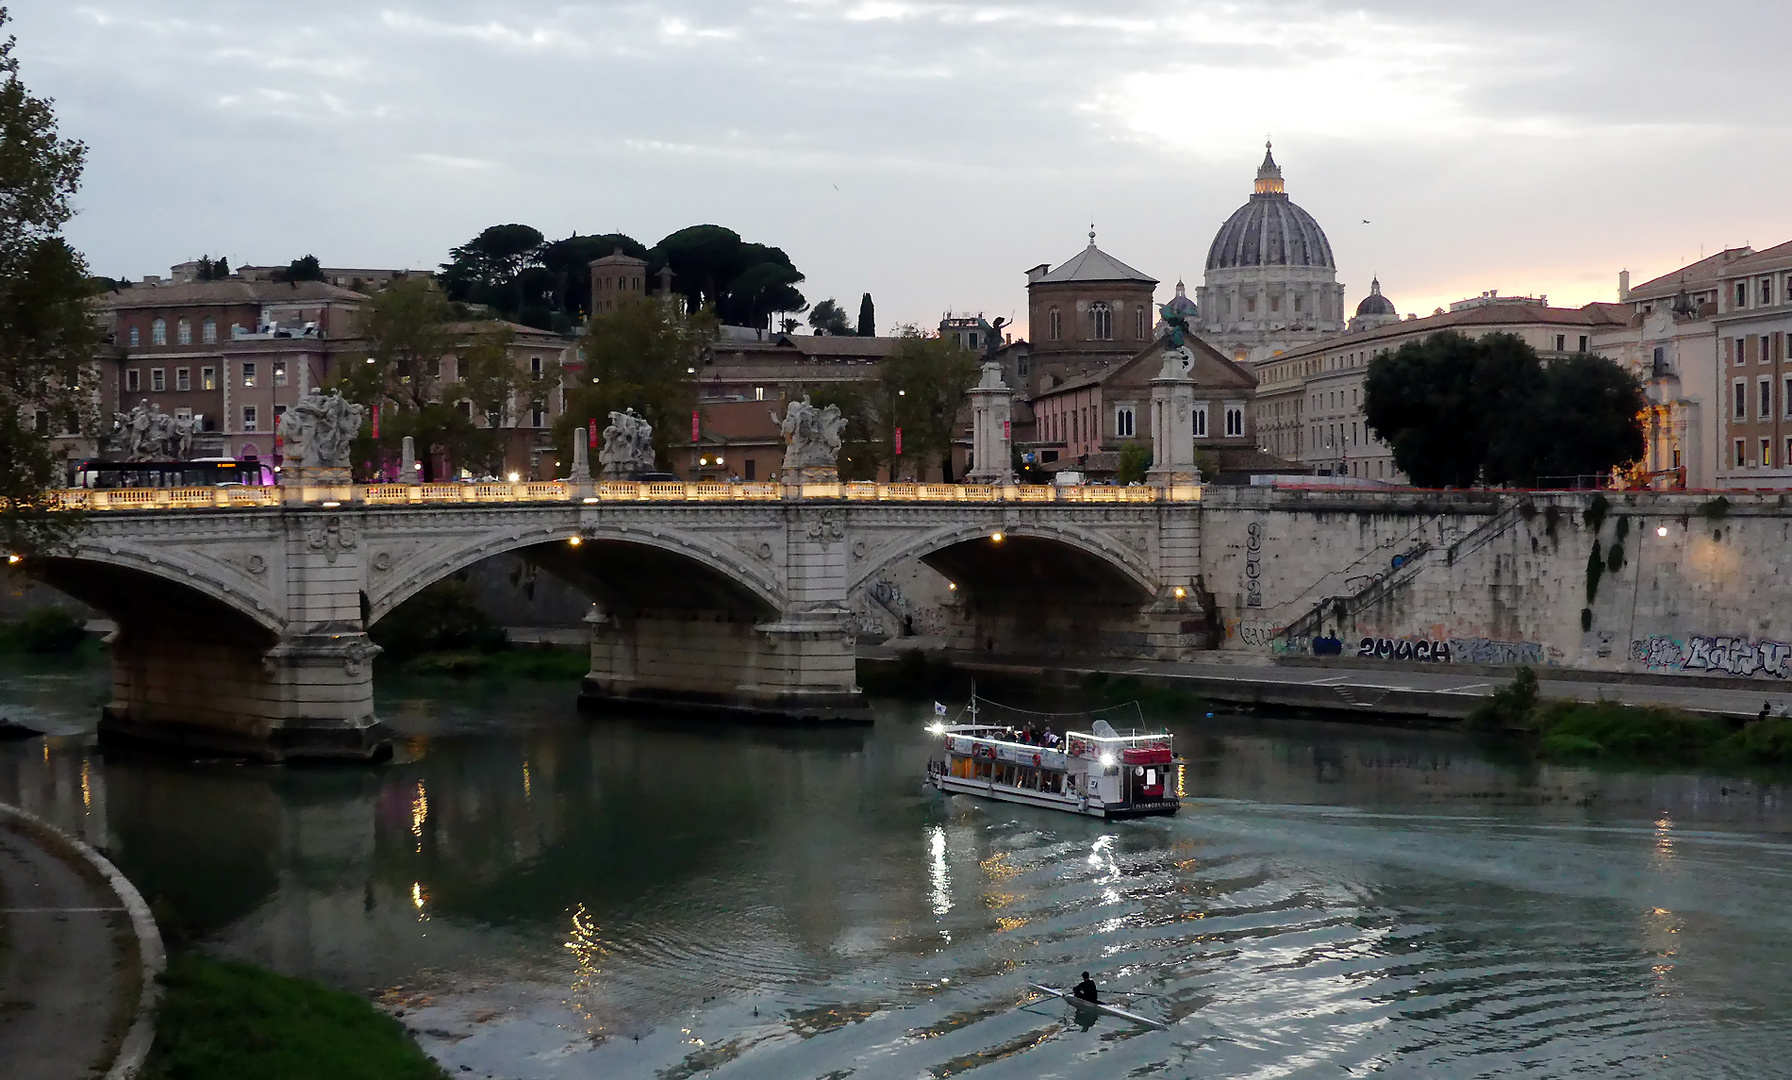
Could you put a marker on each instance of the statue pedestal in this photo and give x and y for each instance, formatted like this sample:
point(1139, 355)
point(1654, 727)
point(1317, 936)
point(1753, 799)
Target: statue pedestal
point(811, 481)
point(302, 484)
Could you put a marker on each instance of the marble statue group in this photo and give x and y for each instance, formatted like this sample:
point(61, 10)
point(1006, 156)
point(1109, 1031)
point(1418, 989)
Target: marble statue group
point(146, 433)
point(319, 431)
point(811, 435)
point(628, 447)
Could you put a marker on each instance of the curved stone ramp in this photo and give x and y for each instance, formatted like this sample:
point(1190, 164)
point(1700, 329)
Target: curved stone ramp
point(79, 958)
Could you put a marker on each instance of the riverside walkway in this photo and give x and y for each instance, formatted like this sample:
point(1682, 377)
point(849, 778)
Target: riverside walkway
point(72, 964)
point(1370, 693)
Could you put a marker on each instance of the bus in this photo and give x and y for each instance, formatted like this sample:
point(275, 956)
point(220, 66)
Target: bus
point(201, 472)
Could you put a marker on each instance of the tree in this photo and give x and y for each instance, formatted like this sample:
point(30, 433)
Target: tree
point(213, 271)
point(828, 317)
point(1135, 462)
point(47, 339)
point(1459, 411)
point(569, 261)
point(493, 269)
point(867, 317)
point(410, 332)
point(742, 283)
point(641, 356)
point(922, 386)
point(305, 269)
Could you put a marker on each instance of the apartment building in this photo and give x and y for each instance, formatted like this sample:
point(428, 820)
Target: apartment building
point(1753, 330)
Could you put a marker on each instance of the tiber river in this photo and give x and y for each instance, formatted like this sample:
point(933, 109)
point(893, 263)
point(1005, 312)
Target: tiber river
point(546, 896)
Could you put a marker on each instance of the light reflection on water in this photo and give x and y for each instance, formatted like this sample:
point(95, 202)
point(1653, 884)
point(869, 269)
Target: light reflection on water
point(551, 898)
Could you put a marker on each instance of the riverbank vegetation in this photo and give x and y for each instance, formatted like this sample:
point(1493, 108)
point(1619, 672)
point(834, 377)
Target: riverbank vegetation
point(919, 674)
point(443, 631)
point(44, 631)
point(225, 1020)
point(1515, 719)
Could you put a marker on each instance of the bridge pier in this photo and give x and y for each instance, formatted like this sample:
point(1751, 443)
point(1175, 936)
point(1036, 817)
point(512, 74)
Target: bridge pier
point(800, 667)
point(302, 697)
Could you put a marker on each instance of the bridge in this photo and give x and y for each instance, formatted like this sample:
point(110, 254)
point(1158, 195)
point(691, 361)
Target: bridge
point(244, 612)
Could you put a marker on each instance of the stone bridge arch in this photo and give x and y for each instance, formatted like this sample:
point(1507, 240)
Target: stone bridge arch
point(1076, 542)
point(398, 571)
point(129, 579)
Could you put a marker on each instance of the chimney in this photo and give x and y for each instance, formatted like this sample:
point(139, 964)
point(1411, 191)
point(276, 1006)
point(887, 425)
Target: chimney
point(1623, 285)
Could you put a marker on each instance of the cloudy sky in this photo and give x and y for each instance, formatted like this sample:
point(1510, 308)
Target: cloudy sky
point(929, 151)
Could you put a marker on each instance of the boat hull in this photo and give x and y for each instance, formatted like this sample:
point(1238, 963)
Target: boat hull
point(984, 789)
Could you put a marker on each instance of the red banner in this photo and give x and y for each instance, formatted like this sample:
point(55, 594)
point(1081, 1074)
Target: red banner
point(591, 434)
point(696, 427)
point(1007, 431)
point(376, 423)
point(898, 441)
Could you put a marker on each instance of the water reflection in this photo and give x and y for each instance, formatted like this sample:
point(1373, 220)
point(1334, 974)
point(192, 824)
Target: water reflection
point(782, 903)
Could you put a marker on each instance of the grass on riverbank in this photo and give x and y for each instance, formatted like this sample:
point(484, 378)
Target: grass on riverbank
point(1582, 731)
point(226, 1020)
point(542, 662)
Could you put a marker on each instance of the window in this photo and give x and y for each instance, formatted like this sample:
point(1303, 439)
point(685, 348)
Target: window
point(1021, 366)
point(158, 333)
point(1583, 343)
point(1125, 422)
point(1275, 303)
point(1200, 419)
point(279, 373)
point(1786, 397)
point(1742, 294)
point(535, 367)
point(1234, 421)
point(1101, 322)
point(759, 393)
point(1766, 297)
point(1561, 342)
point(249, 418)
point(1353, 433)
point(132, 380)
point(1250, 303)
point(1767, 453)
point(1054, 325)
point(1783, 461)
point(158, 380)
point(1741, 454)
point(208, 378)
point(42, 420)
point(1741, 354)
point(1139, 321)
point(1764, 349)
point(1297, 305)
point(208, 331)
point(434, 367)
point(183, 332)
point(466, 409)
point(248, 379)
point(536, 416)
point(1741, 408)
point(183, 379)
point(970, 341)
point(136, 337)
point(1765, 411)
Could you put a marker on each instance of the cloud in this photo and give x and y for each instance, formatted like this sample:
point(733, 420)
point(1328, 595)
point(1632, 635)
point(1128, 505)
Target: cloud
point(927, 150)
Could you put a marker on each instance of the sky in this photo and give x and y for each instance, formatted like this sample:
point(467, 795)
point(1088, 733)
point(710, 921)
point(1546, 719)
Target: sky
point(930, 152)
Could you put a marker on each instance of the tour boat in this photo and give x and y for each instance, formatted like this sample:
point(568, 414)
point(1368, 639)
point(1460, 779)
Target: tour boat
point(1099, 773)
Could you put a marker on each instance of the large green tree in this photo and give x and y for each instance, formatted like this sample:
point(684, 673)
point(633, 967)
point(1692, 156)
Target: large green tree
point(411, 333)
point(1460, 411)
point(642, 356)
point(867, 317)
point(47, 339)
point(829, 317)
point(921, 387)
point(743, 283)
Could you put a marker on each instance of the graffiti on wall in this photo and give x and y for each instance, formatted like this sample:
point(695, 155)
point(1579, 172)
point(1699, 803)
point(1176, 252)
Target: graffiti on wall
point(1726, 655)
point(1253, 570)
point(1452, 651)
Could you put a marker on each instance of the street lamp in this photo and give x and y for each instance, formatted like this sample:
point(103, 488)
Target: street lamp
point(1661, 530)
point(995, 537)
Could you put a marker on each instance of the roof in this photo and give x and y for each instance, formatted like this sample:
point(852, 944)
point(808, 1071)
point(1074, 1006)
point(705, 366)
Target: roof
point(1375, 303)
point(217, 293)
point(1093, 264)
point(1705, 271)
point(1592, 316)
point(1270, 230)
point(840, 345)
point(1206, 357)
point(1774, 258)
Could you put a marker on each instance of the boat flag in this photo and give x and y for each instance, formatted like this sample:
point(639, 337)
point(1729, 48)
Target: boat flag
point(938, 709)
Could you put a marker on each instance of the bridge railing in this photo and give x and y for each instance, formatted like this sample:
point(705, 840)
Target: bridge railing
point(609, 491)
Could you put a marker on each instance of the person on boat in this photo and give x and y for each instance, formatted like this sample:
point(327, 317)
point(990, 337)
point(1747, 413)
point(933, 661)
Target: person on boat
point(1086, 990)
point(1051, 738)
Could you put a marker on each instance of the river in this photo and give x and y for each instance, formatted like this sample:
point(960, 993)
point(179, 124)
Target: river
point(545, 896)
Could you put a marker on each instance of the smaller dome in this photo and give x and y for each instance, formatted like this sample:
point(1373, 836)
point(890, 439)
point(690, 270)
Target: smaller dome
point(1375, 303)
point(1181, 304)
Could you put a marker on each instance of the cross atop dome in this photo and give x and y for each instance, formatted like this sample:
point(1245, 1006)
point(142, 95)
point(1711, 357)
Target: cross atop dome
point(1269, 174)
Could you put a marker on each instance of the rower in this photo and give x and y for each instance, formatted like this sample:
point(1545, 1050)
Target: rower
point(1085, 989)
